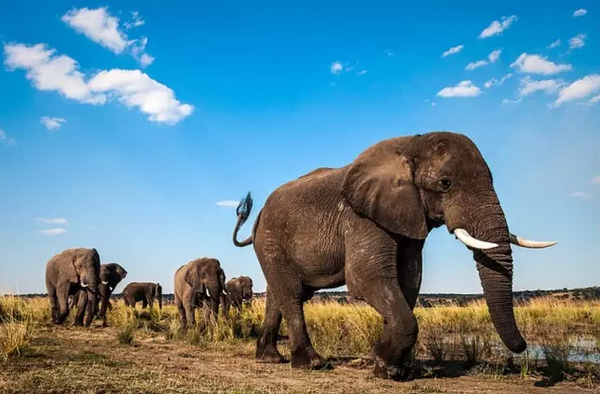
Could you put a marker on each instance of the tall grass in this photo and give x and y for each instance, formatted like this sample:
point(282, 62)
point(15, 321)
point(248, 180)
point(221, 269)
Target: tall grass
point(561, 332)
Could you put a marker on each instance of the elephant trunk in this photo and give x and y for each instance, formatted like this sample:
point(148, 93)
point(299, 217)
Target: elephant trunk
point(495, 265)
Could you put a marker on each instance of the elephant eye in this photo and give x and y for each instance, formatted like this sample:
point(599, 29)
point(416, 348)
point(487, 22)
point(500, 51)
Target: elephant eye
point(445, 183)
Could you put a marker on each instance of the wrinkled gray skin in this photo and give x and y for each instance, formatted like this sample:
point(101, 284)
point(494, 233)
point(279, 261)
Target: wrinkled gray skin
point(364, 225)
point(142, 291)
point(199, 282)
point(239, 291)
point(110, 276)
point(69, 272)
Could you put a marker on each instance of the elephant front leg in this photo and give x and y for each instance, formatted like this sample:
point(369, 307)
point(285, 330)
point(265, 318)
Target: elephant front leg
point(372, 275)
point(104, 303)
point(62, 297)
point(91, 308)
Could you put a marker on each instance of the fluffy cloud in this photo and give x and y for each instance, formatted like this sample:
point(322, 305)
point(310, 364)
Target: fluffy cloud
point(581, 88)
point(51, 72)
point(132, 87)
point(52, 123)
point(488, 84)
point(554, 44)
point(579, 12)
point(529, 86)
point(52, 220)
point(536, 64)
point(362, 72)
point(336, 68)
point(136, 89)
point(453, 50)
point(463, 89)
point(596, 179)
point(101, 27)
point(578, 41)
point(581, 195)
point(53, 231)
point(389, 53)
point(6, 139)
point(492, 58)
point(228, 203)
point(497, 27)
point(595, 99)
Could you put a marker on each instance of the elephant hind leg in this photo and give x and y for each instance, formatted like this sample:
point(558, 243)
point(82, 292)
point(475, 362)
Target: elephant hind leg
point(266, 345)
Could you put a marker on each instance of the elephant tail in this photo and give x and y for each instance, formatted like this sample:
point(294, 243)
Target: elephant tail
point(243, 212)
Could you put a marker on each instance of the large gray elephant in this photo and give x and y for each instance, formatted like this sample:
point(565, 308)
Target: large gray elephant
point(199, 283)
point(364, 225)
point(142, 291)
point(239, 291)
point(69, 272)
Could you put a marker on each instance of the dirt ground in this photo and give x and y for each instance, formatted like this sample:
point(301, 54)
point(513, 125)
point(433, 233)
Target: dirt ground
point(77, 360)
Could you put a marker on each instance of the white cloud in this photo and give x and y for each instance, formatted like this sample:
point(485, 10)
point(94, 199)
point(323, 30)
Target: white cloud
point(52, 123)
point(488, 84)
point(477, 64)
point(581, 195)
point(146, 60)
point(596, 179)
point(579, 12)
point(554, 44)
point(492, 57)
point(336, 68)
point(453, 50)
point(6, 139)
point(581, 88)
point(101, 27)
point(433, 104)
point(136, 89)
point(463, 89)
point(578, 41)
point(388, 53)
point(595, 99)
point(132, 87)
point(529, 86)
point(51, 72)
point(228, 203)
point(362, 72)
point(135, 21)
point(497, 27)
point(53, 231)
point(52, 220)
point(509, 101)
point(536, 64)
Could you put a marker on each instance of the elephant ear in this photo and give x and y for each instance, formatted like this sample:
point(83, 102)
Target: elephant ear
point(191, 276)
point(379, 185)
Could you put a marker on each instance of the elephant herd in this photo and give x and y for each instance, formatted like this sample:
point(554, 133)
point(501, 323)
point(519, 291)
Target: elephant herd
point(76, 277)
point(363, 225)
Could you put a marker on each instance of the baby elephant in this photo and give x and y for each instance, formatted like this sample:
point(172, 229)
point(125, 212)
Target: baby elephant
point(239, 290)
point(69, 272)
point(142, 291)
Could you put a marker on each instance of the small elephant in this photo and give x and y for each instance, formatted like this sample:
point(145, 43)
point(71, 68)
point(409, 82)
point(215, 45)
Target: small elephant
point(364, 225)
point(239, 290)
point(142, 291)
point(110, 275)
point(69, 272)
point(199, 282)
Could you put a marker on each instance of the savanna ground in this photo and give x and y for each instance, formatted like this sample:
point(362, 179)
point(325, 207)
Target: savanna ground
point(146, 352)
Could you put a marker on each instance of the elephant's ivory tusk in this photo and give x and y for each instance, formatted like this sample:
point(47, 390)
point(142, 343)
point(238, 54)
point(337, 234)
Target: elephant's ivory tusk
point(468, 240)
point(84, 285)
point(525, 243)
point(104, 283)
point(224, 292)
point(208, 292)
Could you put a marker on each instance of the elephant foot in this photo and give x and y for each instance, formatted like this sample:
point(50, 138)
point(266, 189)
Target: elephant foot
point(78, 324)
point(269, 355)
point(393, 372)
point(309, 359)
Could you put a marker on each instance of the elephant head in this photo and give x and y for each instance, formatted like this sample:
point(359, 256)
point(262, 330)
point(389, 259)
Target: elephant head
point(157, 293)
point(111, 274)
point(87, 269)
point(409, 185)
point(207, 278)
point(245, 285)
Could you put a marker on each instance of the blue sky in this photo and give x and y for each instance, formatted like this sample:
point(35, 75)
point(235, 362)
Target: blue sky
point(123, 127)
